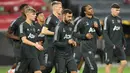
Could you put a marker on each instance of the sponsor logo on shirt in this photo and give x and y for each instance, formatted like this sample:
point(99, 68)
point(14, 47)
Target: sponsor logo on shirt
point(116, 28)
point(67, 36)
point(91, 30)
point(31, 36)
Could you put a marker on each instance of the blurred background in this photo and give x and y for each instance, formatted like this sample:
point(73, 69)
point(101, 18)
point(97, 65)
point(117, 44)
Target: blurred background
point(9, 11)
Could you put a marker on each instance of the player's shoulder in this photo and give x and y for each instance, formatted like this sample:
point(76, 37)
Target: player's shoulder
point(108, 17)
point(95, 17)
point(119, 17)
point(77, 18)
point(49, 18)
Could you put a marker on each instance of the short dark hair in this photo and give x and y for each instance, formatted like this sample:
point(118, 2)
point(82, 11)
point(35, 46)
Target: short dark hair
point(38, 14)
point(115, 5)
point(65, 11)
point(55, 3)
point(22, 6)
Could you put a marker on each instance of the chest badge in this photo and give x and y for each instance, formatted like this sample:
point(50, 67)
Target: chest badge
point(27, 29)
point(118, 21)
point(63, 30)
point(112, 21)
point(87, 23)
point(34, 29)
point(70, 29)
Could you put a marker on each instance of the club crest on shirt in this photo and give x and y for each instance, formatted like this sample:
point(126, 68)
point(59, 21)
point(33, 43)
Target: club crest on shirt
point(56, 22)
point(70, 29)
point(118, 21)
point(27, 29)
point(112, 21)
point(38, 29)
point(87, 23)
point(34, 29)
point(63, 30)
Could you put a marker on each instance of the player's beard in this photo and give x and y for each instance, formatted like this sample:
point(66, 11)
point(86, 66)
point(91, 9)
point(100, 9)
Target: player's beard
point(67, 21)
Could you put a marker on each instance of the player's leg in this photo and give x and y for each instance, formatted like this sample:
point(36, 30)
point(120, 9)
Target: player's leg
point(120, 54)
point(78, 57)
point(48, 59)
point(16, 57)
point(34, 65)
point(60, 65)
point(90, 62)
point(71, 65)
point(22, 66)
point(108, 59)
point(41, 59)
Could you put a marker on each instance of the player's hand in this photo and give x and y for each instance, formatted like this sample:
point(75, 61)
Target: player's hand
point(95, 25)
point(40, 42)
point(39, 47)
point(74, 44)
point(70, 41)
point(89, 36)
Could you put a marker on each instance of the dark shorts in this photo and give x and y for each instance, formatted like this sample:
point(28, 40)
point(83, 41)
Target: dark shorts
point(77, 54)
point(41, 58)
point(28, 64)
point(17, 50)
point(116, 53)
point(17, 54)
point(49, 56)
point(62, 64)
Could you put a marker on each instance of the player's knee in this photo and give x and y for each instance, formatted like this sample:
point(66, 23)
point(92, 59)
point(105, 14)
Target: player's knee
point(108, 62)
point(123, 62)
point(38, 71)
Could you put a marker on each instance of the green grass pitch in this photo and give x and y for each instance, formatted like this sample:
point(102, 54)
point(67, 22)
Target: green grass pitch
point(100, 70)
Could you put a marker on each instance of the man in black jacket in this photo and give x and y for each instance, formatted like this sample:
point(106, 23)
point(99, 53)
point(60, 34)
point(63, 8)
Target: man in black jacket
point(48, 30)
point(13, 33)
point(77, 51)
point(64, 42)
point(114, 39)
point(89, 28)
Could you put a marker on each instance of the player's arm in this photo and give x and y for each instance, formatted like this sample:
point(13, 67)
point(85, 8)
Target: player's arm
point(98, 28)
point(45, 29)
point(26, 41)
point(105, 32)
point(57, 36)
point(77, 28)
point(11, 29)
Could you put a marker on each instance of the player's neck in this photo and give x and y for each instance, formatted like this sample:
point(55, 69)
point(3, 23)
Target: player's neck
point(40, 23)
point(113, 15)
point(29, 21)
point(56, 14)
point(89, 16)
